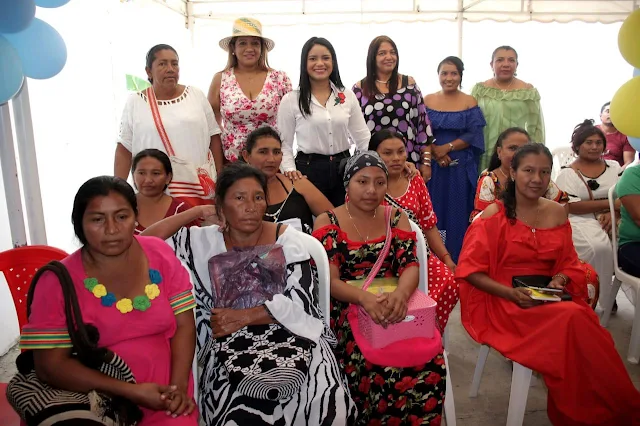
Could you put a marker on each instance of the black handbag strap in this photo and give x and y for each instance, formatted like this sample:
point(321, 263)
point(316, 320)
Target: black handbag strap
point(83, 338)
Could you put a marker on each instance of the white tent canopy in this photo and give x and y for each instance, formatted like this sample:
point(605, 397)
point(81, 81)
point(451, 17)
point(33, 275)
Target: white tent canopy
point(290, 12)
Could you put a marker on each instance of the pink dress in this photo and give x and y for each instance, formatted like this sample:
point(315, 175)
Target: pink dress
point(443, 288)
point(141, 339)
point(241, 115)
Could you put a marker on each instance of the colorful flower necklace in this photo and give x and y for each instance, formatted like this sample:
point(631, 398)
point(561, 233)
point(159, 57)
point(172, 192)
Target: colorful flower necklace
point(125, 305)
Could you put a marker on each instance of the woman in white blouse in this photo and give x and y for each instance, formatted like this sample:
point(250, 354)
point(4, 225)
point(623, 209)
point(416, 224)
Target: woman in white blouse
point(185, 113)
point(323, 116)
point(587, 181)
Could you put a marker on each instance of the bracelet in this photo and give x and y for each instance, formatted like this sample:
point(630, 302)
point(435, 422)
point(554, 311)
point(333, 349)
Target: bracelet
point(451, 147)
point(565, 279)
point(426, 164)
point(446, 254)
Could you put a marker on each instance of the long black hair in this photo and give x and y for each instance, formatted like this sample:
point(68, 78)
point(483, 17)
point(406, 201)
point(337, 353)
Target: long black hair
point(369, 83)
point(304, 100)
point(99, 186)
point(494, 162)
point(508, 196)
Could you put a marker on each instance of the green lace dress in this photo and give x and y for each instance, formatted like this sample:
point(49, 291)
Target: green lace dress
point(508, 108)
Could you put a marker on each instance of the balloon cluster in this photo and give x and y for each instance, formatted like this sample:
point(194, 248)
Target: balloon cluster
point(29, 47)
point(625, 104)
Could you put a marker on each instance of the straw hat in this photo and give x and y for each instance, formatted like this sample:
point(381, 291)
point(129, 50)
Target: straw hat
point(247, 27)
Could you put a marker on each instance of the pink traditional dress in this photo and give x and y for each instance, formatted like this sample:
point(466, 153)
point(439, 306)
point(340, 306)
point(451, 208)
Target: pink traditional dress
point(241, 115)
point(443, 288)
point(141, 338)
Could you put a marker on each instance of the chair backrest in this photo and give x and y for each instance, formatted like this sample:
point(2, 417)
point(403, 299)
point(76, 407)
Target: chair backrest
point(422, 257)
point(19, 265)
point(319, 256)
point(561, 157)
point(613, 196)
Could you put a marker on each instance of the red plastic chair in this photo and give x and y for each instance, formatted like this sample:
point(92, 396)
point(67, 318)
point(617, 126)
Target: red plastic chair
point(18, 266)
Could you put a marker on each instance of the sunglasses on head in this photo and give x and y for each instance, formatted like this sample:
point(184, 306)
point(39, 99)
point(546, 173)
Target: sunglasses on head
point(593, 184)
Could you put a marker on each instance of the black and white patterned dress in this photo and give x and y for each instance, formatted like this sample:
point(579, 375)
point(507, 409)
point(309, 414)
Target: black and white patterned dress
point(323, 399)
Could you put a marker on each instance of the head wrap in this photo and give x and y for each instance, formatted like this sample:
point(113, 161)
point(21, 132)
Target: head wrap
point(361, 160)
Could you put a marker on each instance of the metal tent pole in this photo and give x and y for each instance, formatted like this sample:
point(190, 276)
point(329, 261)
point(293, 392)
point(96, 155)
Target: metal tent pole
point(10, 178)
point(460, 19)
point(29, 166)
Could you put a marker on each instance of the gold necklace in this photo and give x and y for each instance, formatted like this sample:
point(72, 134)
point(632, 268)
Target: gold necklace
point(354, 223)
point(507, 88)
point(503, 173)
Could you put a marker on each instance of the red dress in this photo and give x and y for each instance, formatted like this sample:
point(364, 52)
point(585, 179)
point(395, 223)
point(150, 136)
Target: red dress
point(588, 383)
point(177, 206)
point(443, 288)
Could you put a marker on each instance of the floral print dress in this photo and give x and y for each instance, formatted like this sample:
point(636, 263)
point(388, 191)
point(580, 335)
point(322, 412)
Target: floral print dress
point(241, 115)
point(384, 395)
point(443, 288)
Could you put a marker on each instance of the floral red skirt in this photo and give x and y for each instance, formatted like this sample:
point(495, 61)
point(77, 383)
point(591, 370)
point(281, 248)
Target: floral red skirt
point(387, 395)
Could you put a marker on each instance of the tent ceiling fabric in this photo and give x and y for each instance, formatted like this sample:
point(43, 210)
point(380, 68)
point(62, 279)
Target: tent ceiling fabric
point(290, 12)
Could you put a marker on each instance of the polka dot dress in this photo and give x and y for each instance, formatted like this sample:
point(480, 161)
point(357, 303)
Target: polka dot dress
point(442, 285)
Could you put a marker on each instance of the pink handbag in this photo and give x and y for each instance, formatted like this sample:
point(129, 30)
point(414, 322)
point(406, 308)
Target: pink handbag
point(409, 343)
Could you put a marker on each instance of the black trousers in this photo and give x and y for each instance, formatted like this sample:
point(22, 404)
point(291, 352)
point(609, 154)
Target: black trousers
point(629, 258)
point(323, 172)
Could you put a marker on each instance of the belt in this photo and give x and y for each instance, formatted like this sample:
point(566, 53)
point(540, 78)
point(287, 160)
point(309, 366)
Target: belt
point(338, 156)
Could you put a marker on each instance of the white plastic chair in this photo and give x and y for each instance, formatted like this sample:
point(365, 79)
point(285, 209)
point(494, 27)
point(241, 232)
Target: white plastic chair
point(633, 356)
point(423, 285)
point(561, 157)
point(520, 382)
point(319, 256)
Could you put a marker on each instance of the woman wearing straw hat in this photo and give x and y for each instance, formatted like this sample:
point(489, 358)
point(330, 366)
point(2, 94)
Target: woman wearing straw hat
point(247, 93)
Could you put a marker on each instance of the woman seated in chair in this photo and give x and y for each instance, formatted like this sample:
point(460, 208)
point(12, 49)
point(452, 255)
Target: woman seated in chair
point(492, 181)
point(412, 196)
point(628, 189)
point(137, 295)
point(152, 173)
point(523, 235)
point(587, 181)
point(295, 203)
point(354, 236)
point(279, 305)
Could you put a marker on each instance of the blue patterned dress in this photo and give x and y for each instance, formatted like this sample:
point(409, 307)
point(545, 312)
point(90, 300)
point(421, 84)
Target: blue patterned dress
point(453, 188)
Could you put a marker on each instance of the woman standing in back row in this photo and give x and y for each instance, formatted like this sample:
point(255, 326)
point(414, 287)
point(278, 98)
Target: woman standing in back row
point(507, 101)
point(247, 93)
point(457, 124)
point(390, 100)
point(323, 116)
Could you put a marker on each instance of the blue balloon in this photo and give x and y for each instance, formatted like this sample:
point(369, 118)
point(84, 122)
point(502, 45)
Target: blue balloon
point(16, 15)
point(10, 70)
point(636, 72)
point(51, 3)
point(41, 49)
point(635, 142)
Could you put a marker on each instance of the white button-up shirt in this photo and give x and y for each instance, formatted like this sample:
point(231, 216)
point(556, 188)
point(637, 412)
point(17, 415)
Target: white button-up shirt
point(327, 131)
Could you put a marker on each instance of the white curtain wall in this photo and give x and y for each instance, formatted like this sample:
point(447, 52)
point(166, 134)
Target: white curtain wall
point(576, 66)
